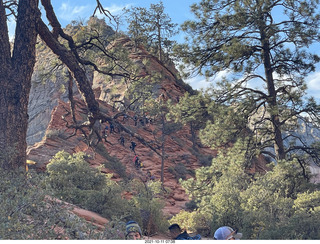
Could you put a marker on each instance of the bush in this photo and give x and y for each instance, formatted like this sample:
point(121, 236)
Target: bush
point(279, 204)
point(194, 222)
point(73, 180)
point(306, 217)
point(112, 163)
point(192, 205)
point(27, 213)
point(180, 171)
point(146, 206)
point(186, 220)
point(205, 160)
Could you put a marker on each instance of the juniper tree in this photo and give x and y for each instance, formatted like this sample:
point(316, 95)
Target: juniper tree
point(265, 46)
point(262, 206)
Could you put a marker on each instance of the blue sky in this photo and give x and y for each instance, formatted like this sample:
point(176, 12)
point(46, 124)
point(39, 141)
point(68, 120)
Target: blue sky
point(68, 10)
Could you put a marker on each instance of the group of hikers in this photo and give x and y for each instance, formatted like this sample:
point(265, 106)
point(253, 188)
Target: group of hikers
point(111, 129)
point(136, 160)
point(144, 120)
point(133, 232)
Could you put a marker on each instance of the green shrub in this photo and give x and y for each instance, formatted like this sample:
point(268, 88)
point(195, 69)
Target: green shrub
point(146, 206)
point(186, 220)
point(280, 204)
point(306, 217)
point(28, 213)
point(112, 162)
point(180, 171)
point(205, 160)
point(192, 205)
point(72, 179)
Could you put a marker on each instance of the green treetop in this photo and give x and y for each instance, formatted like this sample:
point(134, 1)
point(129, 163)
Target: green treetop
point(152, 27)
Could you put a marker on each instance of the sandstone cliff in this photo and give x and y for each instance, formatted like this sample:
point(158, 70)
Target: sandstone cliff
point(48, 133)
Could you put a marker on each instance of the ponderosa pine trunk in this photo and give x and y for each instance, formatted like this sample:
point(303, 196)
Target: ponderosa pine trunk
point(15, 82)
point(272, 97)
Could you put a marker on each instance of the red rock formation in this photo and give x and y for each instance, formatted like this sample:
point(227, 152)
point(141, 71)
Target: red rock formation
point(58, 138)
point(177, 147)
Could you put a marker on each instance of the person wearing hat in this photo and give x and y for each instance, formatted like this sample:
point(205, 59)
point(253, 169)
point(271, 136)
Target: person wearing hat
point(227, 233)
point(177, 234)
point(133, 231)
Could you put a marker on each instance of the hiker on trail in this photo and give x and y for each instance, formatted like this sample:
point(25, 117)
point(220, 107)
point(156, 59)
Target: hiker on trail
point(150, 176)
point(133, 146)
point(141, 121)
point(105, 133)
point(111, 128)
point(227, 233)
point(133, 231)
point(125, 118)
point(121, 139)
point(175, 233)
point(136, 162)
point(135, 118)
point(146, 120)
point(162, 97)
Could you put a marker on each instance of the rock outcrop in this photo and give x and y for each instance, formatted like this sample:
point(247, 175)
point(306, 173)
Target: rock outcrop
point(48, 133)
point(58, 138)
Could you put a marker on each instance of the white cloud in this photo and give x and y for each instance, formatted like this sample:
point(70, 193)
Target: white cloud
point(198, 82)
point(70, 12)
point(116, 9)
point(313, 82)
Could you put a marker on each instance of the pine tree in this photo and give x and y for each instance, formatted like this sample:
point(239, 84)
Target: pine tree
point(265, 47)
point(153, 28)
point(15, 80)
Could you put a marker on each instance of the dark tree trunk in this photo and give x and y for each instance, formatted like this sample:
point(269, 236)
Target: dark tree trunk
point(163, 138)
point(15, 83)
point(272, 99)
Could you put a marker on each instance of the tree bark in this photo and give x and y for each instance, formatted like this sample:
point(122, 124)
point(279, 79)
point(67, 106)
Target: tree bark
point(159, 41)
point(15, 83)
point(272, 98)
point(163, 139)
